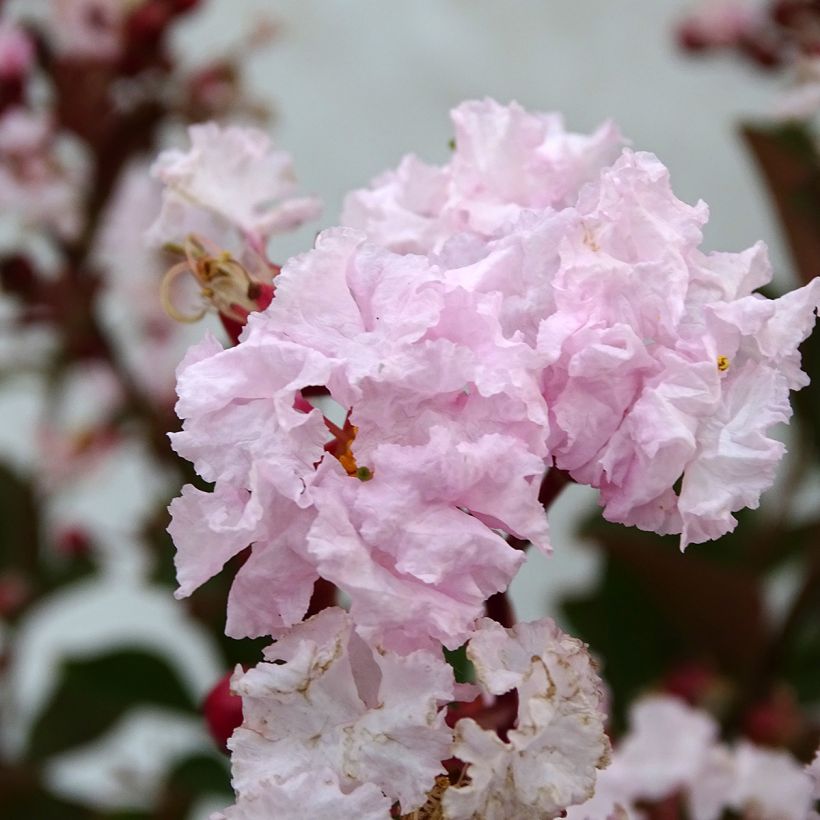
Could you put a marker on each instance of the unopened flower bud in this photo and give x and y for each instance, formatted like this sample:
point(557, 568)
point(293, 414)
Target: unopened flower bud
point(773, 721)
point(73, 542)
point(147, 23)
point(223, 711)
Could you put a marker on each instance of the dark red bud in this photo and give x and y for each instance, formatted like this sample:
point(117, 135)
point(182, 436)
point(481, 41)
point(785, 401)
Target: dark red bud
point(691, 38)
point(183, 6)
point(223, 712)
point(775, 721)
point(74, 542)
point(765, 54)
point(146, 24)
point(691, 681)
point(17, 276)
point(14, 593)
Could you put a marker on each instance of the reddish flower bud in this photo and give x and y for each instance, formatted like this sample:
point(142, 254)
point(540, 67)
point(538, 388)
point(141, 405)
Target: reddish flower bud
point(14, 593)
point(147, 23)
point(223, 711)
point(767, 55)
point(17, 276)
point(773, 721)
point(792, 12)
point(74, 542)
point(183, 6)
point(691, 38)
point(692, 681)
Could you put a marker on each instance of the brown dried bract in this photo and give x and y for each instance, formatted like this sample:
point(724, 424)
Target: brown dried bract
point(432, 809)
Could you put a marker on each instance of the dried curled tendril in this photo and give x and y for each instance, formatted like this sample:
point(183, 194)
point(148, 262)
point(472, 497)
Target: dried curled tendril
point(225, 284)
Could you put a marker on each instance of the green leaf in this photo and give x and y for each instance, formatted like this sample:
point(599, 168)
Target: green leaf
point(626, 631)
point(19, 522)
point(201, 774)
point(463, 668)
point(92, 694)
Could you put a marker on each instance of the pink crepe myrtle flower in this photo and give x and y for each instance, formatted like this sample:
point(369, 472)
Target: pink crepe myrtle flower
point(717, 23)
point(40, 186)
point(563, 316)
point(813, 771)
point(651, 373)
point(673, 749)
point(316, 793)
point(325, 701)
point(770, 783)
point(505, 160)
point(551, 757)
point(444, 406)
point(665, 749)
point(231, 180)
point(88, 29)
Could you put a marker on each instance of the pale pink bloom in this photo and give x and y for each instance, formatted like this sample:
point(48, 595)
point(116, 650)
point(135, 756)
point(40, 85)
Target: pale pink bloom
point(77, 431)
point(770, 785)
point(230, 178)
point(314, 793)
point(260, 495)
point(646, 346)
point(409, 347)
point(412, 546)
point(505, 160)
point(724, 22)
point(671, 749)
point(88, 29)
point(39, 186)
point(148, 340)
point(325, 700)
point(551, 758)
point(610, 801)
point(16, 51)
point(708, 793)
point(450, 423)
point(665, 749)
point(692, 350)
point(814, 773)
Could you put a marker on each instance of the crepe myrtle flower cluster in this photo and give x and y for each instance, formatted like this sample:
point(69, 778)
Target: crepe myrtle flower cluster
point(672, 754)
point(774, 35)
point(539, 303)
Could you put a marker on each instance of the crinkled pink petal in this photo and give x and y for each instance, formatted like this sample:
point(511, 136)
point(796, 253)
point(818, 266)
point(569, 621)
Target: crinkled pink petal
point(312, 710)
point(505, 161)
point(506, 154)
point(309, 794)
point(233, 174)
point(558, 742)
point(273, 587)
point(208, 529)
point(413, 572)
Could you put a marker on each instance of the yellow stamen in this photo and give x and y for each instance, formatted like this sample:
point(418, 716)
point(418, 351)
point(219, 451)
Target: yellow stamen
point(723, 364)
point(224, 283)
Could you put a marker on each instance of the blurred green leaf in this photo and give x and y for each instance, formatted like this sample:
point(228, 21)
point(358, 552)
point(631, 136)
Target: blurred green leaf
point(19, 522)
point(655, 606)
point(201, 774)
point(92, 694)
point(23, 797)
point(625, 629)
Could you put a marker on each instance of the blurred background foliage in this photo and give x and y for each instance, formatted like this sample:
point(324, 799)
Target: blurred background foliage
point(731, 626)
